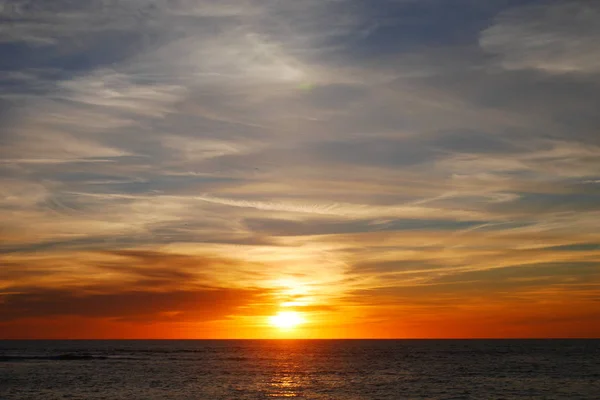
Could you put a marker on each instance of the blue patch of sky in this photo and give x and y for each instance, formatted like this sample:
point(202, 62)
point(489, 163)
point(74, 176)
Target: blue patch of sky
point(416, 266)
point(95, 242)
point(381, 153)
point(105, 49)
point(505, 226)
point(294, 228)
point(467, 141)
point(582, 269)
point(167, 184)
point(576, 247)
point(560, 201)
point(400, 26)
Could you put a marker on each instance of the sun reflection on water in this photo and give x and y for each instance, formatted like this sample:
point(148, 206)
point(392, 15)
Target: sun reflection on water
point(288, 374)
point(287, 385)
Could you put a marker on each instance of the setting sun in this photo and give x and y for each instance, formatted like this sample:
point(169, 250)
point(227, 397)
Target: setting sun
point(286, 319)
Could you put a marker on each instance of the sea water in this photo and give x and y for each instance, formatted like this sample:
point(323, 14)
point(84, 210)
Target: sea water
point(301, 369)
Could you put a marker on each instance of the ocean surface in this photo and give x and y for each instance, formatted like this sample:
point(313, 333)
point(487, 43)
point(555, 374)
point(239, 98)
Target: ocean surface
point(312, 369)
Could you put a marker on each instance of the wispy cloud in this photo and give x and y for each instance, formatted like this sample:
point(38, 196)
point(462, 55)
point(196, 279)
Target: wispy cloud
point(559, 37)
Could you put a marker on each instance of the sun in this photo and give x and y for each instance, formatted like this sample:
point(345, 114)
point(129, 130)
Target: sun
point(286, 319)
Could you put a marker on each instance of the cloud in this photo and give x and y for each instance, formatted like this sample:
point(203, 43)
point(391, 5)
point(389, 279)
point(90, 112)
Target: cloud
point(556, 38)
point(194, 150)
point(61, 267)
point(318, 227)
point(17, 193)
point(56, 22)
point(345, 209)
point(199, 305)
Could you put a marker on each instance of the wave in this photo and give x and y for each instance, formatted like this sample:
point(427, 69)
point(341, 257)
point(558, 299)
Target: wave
point(61, 357)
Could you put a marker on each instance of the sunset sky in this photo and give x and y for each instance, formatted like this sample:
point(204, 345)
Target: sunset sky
point(299, 168)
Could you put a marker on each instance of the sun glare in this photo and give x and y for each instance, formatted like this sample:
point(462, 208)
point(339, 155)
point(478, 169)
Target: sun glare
point(286, 319)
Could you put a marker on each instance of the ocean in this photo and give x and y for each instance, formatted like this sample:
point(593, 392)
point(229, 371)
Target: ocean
point(300, 369)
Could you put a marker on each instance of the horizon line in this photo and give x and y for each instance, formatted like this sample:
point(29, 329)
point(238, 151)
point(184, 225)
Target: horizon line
point(294, 339)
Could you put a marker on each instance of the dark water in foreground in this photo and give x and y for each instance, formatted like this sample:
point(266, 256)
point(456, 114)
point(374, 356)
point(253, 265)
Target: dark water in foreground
point(340, 370)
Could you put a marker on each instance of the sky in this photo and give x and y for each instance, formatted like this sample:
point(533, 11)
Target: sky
point(373, 168)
